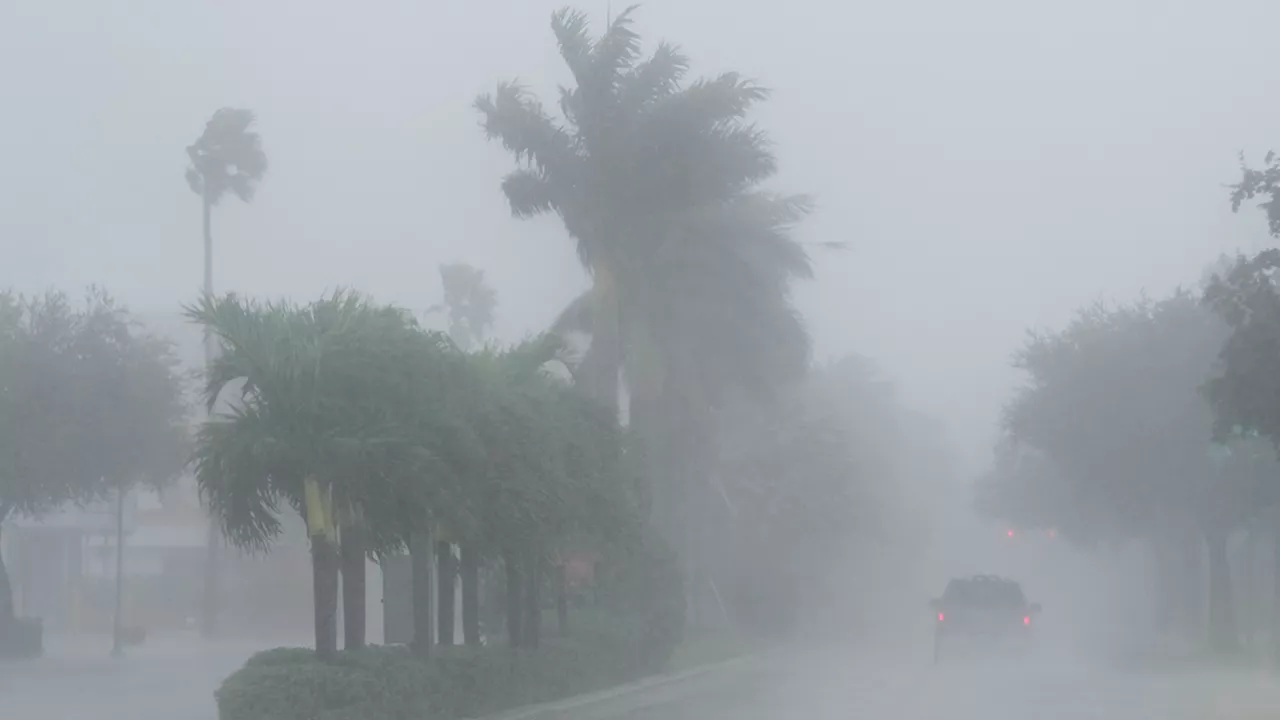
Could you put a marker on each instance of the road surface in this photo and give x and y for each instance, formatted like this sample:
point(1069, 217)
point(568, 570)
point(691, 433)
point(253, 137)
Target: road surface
point(835, 685)
point(177, 682)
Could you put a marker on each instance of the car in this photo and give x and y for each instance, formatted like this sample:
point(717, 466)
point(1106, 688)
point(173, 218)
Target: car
point(983, 610)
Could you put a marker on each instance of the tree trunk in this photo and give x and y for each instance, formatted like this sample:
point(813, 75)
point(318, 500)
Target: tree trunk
point(469, 573)
point(1275, 595)
point(562, 599)
point(324, 588)
point(1222, 613)
point(117, 617)
point(533, 602)
point(447, 592)
point(420, 561)
point(354, 614)
point(209, 606)
point(7, 616)
point(514, 598)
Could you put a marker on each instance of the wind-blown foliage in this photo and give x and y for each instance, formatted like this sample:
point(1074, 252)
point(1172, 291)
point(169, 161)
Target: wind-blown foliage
point(657, 181)
point(1112, 437)
point(356, 417)
point(469, 302)
point(89, 403)
point(227, 157)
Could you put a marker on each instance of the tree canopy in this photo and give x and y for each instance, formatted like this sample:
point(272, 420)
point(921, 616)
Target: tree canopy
point(657, 181)
point(88, 402)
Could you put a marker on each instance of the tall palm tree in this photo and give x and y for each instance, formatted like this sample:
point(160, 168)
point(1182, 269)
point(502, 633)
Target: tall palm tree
point(227, 157)
point(658, 182)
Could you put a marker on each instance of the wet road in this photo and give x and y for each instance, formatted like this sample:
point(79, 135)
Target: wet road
point(164, 683)
point(836, 686)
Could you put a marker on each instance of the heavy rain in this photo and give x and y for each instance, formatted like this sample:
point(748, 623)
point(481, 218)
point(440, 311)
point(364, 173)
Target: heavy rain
point(697, 360)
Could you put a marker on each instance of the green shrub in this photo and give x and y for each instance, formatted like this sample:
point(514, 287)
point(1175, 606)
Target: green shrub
point(388, 683)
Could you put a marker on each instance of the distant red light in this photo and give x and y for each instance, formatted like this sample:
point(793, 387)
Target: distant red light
point(1026, 620)
point(1053, 533)
point(941, 617)
point(1010, 533)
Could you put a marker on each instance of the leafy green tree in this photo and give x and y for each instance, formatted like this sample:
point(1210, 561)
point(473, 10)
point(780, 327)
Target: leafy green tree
point(331, 413)
point(658, 182)
point(89, 406)
point(1242, 292)
point(1112, 437)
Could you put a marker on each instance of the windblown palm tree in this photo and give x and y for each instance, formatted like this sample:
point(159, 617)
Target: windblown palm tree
point(227, 157)
point(331, 417)
point(658, 182)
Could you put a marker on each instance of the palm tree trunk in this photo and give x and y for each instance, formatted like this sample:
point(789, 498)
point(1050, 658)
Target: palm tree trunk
point(532, 602)
point(447, 592)
point(420, 561)
point(469, 573)
point(324, 588)
point(603, 362)
point(354, 615)
point(514, 600)
point(1222, 614)
point(562, 599)
point(209, 609)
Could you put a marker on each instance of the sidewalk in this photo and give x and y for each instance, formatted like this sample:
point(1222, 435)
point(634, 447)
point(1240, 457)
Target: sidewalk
point(77, 679)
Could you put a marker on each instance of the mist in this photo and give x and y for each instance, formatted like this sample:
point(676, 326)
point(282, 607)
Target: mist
point(979, 172)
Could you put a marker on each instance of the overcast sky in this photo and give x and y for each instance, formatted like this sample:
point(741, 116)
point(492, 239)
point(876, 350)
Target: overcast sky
point(992, 164)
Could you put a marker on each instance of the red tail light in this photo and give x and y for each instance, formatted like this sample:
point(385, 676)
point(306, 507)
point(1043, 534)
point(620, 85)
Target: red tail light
point(941, 617)
point(1026, 620)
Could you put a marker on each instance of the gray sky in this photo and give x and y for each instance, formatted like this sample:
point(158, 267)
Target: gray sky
point(991, 163)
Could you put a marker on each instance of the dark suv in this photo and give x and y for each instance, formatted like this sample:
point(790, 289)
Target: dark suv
point(982, 609)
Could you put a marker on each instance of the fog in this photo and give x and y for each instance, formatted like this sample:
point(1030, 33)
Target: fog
point(988, 167)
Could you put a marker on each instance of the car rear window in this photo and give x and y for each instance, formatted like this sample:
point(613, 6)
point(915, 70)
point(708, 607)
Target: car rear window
point(983, 592)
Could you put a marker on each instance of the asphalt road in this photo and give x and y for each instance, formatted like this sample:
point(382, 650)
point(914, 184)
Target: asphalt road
point(836, 685)
point(164, 683)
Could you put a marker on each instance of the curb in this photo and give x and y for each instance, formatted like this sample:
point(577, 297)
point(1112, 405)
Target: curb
point(535, 712)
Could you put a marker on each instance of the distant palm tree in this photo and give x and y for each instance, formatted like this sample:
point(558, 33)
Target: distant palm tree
point(658, 183)
point(227, 157)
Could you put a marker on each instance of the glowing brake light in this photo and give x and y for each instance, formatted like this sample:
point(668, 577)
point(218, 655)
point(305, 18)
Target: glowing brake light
point(1010, 533)
point(1026, 620)
point(941, 617)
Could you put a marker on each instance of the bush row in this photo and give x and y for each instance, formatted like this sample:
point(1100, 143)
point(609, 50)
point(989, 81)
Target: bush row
point(389, 683)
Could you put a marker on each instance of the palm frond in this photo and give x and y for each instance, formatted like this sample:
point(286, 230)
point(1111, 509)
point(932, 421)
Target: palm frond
point(616, 51)
point(576, 317)
point(529, 193)
point(573, 35)
point(515, 118)
point(652, 80)
point(227, 157)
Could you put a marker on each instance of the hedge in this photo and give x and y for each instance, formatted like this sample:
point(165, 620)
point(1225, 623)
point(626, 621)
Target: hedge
point(388, 683)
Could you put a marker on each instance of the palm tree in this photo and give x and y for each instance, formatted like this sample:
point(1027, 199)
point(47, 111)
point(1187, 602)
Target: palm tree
point(329, 418)
point(658, 183)
point(227, 157)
